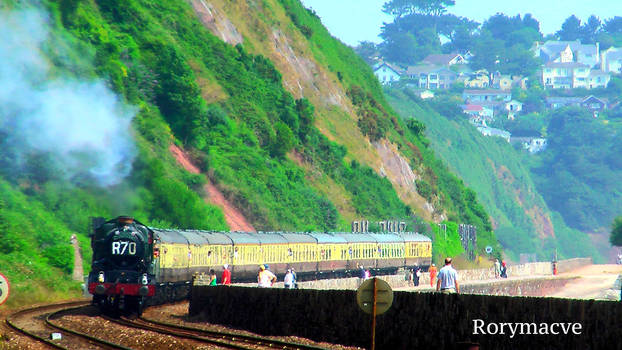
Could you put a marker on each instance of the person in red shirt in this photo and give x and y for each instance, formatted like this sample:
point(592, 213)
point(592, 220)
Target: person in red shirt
point(226, 275)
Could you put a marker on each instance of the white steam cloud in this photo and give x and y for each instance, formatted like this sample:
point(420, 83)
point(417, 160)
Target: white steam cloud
point(82, 126)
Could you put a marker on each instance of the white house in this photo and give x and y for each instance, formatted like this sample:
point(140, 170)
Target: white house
point(513, 107)
point(387, 73)
point(598, 78)
point(489, 95)
point(568, 51)
point(565, 75)
point(531, 144)
point(611, 60)
point(426, 94)
point(431, 77)
point(488, 131)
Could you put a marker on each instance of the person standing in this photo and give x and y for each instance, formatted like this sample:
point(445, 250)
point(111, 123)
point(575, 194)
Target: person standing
point(226, 275)
point(295, 278)
point(447, 279)
point(409, 277)
point(433, 272)
point(504, 270)
point(288, 281)
point(416, 275)
point(212, 277)
point(265, 278)
point(497, 268)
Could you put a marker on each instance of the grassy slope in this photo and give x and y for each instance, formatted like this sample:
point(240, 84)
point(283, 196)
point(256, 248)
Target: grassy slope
point(490, 166)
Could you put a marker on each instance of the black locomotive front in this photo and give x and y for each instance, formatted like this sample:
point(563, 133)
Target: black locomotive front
point(122, 268)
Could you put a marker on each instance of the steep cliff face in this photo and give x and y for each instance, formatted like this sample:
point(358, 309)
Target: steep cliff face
point(265, 28)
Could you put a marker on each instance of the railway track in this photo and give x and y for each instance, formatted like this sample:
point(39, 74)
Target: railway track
point(221, 339)
point(38, 323)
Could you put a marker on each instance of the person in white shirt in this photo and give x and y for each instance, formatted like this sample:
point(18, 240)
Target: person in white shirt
point(497, 268)
point(265, 278)
point(288, 281)
point(448, 279)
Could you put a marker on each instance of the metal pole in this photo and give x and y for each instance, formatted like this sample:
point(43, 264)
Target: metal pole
point(373, 318)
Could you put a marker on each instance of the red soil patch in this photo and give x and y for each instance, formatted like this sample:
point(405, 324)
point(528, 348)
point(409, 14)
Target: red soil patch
point(235, 219)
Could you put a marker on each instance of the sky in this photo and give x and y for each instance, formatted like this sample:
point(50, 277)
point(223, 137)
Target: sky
point(353, 21)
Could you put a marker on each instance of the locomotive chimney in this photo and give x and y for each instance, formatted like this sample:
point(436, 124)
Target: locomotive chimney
point(96, 222)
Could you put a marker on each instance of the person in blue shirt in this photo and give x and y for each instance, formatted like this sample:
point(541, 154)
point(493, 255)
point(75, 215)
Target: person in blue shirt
point(448, 279)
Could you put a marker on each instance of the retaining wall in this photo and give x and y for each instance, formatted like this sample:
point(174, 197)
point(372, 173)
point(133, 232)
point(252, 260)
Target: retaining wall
point(415, 321)
point(397, 281)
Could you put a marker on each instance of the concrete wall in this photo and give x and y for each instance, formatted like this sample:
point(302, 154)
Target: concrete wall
point(535, 287)
point(415, 321)
point(397, 281)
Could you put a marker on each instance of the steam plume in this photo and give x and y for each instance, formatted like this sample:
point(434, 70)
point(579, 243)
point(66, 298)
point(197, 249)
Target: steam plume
point(82, 126)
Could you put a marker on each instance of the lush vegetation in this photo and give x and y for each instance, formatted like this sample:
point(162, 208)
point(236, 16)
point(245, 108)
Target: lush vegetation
point(579, 174)
point(501, 179)
point(256, 142)
point(616, 232)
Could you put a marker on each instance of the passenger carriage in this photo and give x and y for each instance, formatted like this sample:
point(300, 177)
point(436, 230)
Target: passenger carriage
point(361, 248)
point(331, 257)
point(300, 252)
point(418, 250)
point(389, 252)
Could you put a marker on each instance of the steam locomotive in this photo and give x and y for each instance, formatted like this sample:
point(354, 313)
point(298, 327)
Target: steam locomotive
point(135, 265)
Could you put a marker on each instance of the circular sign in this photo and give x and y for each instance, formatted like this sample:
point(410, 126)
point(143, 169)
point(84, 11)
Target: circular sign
point(488, 249)
point(4, 289)
point(365, 296)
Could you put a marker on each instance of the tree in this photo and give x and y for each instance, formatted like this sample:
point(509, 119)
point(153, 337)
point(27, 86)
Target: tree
point(530, 22)
point(590, 30)
point(616, 232)
point(613, 25)
point(571, 29)
point(401, 48)
point(487, 51)
point(400, 8)
point(368, 51)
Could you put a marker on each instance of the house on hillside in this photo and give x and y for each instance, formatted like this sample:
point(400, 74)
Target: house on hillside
point(597, 78)
point(478, 80)
point(594, 105)
point(387, 72)
point(567, 51)
point(531, 144)
point(444, 60)
point(611, 60)
point(513, 107)
point(431, 77)
point(426, 94)
point(501, 81)
point(472, 110)
point(487, 95)
point(488, 131)
point(565, 75)
point(484, 112)
point(560, 102)
point(591, 103)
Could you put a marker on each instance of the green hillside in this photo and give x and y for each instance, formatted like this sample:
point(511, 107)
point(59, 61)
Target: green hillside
point(500, 176)
point(111, 85)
